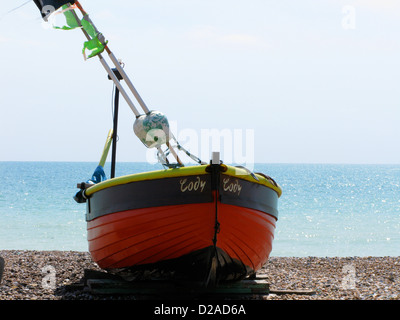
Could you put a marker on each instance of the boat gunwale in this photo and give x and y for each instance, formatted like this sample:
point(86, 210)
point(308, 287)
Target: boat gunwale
point(182, 172)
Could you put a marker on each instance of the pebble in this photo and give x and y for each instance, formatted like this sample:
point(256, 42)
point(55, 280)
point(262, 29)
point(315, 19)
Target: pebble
point(48, 275)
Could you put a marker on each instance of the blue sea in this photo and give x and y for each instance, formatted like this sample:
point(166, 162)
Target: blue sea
point(325, 210)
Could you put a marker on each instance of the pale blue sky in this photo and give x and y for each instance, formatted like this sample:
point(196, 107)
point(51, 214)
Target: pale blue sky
point(311, 90)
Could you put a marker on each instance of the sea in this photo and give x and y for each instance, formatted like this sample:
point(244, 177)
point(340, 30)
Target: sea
point(326, 210)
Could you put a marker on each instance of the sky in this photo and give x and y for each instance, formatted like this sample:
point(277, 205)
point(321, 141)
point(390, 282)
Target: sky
point(305, 81)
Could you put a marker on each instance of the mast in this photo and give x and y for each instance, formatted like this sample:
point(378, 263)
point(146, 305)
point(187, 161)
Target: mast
point(115, 126)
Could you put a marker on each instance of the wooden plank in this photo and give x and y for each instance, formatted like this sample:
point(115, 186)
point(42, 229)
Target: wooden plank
point(103, 283)
point(112, 286)
point(296, 291)
point(244, 286)
point(2, 263)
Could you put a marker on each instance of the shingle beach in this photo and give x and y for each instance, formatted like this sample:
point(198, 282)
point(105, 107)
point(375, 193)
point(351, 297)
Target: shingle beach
point(28, 275)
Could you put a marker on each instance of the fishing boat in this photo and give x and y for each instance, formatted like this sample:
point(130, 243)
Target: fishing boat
point(205, 223)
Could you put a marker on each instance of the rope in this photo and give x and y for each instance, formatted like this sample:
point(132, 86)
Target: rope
point(193, 157)
point(12, 10)
point(162, 157)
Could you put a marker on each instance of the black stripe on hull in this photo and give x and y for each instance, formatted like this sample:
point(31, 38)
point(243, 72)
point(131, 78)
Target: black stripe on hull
point(243, 193)
point(179, 191)
point(150, 193)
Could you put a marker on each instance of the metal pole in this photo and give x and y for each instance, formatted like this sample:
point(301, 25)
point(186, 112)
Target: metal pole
point(118, 85)
point(117, 64)
point(115, 129)
point(128, 81)
point(124, 75)
point(110, 72)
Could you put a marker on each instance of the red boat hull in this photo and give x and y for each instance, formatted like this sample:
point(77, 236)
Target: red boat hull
point(212, 239)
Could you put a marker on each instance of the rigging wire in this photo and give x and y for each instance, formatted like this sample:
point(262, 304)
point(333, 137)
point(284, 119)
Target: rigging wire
point(20, 6)
point(15, 9)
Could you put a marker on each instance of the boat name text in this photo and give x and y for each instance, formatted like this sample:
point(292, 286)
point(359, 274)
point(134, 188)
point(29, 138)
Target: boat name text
point(195, 185)
point(234, 186)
